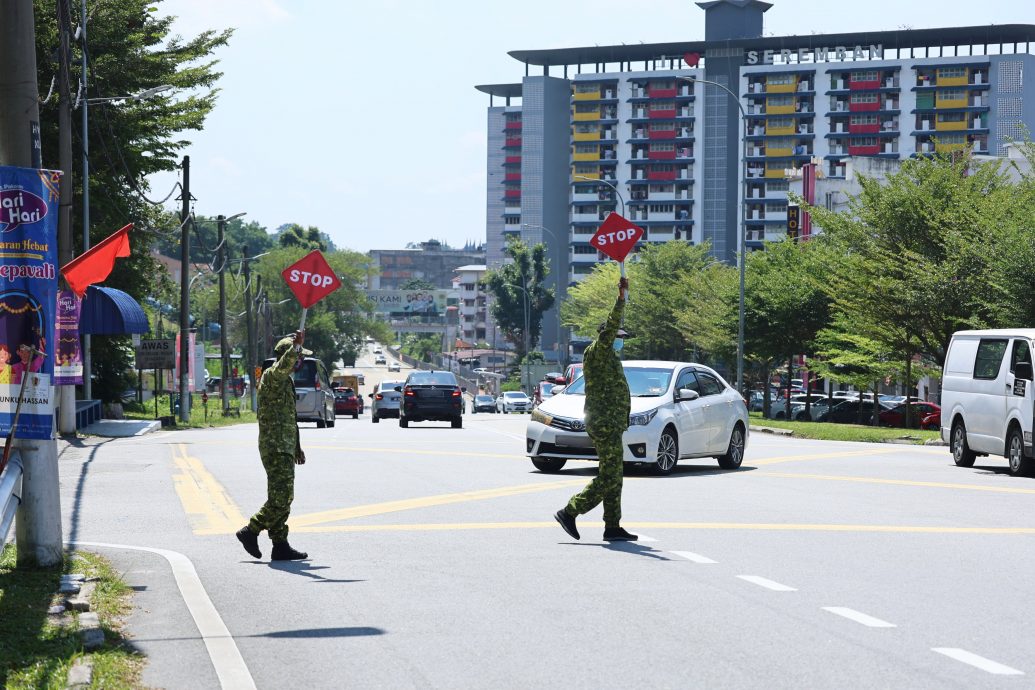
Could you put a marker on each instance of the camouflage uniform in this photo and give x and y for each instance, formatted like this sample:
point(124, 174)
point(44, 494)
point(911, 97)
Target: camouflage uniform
point(278, 441)
point(607, 418)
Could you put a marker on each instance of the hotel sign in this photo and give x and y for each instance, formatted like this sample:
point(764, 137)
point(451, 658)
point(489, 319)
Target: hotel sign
point(788, 56)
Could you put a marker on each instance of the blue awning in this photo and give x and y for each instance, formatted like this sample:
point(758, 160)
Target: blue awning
point(107, 311)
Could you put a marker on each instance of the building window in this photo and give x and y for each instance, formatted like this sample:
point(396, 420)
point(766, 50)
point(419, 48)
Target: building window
point(778, 186)
point(951, 139)
point(951, 72)
point(584, 249)
point(587, 88)
point(661, 208)
point(952, 117)
point(660, 189)
point(776, 208)
point(780, 99)
point(781, 143)
point(781, 123)
point(952, 95)
point(662, 126)
point(585, 148)
point(662, 147)
point(587, 108)
point(662, 105)
point(864, 98)
point(870, 75)
point(661, 167)
point(863, 141)
point(781, 78)
point(864, 119)
point(586, 129)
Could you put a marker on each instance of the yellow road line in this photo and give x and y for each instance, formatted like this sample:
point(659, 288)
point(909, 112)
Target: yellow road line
point(209, 508)
point(899, 482)
point(426, 502)
point(742, 526)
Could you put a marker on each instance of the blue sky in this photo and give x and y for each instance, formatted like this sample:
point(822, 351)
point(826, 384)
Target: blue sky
point(361, 118)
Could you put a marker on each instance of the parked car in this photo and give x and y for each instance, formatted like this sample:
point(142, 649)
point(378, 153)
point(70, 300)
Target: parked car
point(393, 366)
point(817, 408)
point(896, 416)
point(678, 410)
point(314, 397)
point(384, 401)
point(932, 422)
point(850, 411)
point(544, 391)
point(347, 402)
point(513, 401)
point(431, 396)
point(572, 372)
point(484, 403)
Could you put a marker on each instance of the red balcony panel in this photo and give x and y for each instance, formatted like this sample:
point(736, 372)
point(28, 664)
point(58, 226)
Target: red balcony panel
point(514, 125)
point(863, 129)
point(863, 150)
point(512, 177)
point(862, 107)
point(661, 114)
point(863, 85)
point(513, 141)
point(512, 194)
point(653, 92)
point(510, 160)
point(662, 134)
point(666, 175)
point(661, 155)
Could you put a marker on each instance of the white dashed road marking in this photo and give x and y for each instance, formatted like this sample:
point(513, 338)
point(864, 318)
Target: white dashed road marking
point(695, 557)
point(862, 618)
point(976, 661)
point(768, 584)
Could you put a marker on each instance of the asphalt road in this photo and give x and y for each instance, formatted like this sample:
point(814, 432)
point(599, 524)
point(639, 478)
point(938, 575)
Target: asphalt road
point(435, 562)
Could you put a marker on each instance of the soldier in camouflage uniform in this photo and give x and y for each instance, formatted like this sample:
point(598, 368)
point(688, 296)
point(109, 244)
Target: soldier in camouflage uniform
point(607, 418)
point(280, 451)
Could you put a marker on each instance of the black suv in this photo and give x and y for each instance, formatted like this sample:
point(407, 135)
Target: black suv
point(431, 395)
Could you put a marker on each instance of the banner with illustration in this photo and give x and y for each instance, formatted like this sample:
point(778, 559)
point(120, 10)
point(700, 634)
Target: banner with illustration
point(28, 297)
point(68, 363)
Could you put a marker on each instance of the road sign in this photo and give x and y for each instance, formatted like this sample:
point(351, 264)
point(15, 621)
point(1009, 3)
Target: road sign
point(616, 237)
point(793, 221)
point(156, 354)
point(311, 279)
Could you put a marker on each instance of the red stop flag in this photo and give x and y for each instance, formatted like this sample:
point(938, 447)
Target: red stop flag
point(96, 263)
point(616, 236)
point(311, 279)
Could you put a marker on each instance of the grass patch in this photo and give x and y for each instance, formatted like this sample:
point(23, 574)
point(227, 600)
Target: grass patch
point(37, 650)
point(827, 431)
point(198, 420)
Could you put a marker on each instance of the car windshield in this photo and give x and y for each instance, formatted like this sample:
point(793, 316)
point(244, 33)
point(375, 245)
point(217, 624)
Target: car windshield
point(432, 378)
point(644, 382)
point(390, 385)
point(305, 375)
point(518, 395)
point(484, 398)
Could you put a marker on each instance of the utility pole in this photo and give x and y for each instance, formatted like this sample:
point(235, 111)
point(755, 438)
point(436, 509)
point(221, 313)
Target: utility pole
point(185, 295)
point(250, 361)
point(66, 393)
point(224, 363)
point(38, 530)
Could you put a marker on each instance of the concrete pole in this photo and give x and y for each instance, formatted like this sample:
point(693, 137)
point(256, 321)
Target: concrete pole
point(185, 295)
point(85, 106)
point(38, 529)
point(224, 350)
point(250, 360)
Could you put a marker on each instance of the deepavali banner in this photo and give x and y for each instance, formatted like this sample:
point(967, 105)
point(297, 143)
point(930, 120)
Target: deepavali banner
point(68, 365)
point(28, 298)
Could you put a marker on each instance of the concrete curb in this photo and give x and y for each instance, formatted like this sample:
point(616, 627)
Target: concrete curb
point(122, 428)
point(772, 430)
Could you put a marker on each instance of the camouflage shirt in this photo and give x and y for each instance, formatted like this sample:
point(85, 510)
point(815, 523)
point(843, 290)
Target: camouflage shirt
point(278, 430)
point(607, 392)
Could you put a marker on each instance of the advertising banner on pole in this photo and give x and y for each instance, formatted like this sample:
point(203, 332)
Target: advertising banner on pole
point(68, 363)
point(28, 298)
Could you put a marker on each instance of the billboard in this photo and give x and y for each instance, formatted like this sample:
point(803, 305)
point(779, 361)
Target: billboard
point(408, 303)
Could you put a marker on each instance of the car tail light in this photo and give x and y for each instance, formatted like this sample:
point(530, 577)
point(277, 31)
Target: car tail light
point(456, 393)
point(379, 397)
point(317, 386)
point(408, 391)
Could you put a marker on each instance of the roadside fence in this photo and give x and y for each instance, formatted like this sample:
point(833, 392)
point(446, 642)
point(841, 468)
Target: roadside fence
point(10, 493)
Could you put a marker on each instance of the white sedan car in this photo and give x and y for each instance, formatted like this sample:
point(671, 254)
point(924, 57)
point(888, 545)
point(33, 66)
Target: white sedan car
point(678, 410)
point(513, 401)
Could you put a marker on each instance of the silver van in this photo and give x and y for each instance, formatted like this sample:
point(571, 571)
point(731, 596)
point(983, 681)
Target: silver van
point(314, 397)
point(987, 397)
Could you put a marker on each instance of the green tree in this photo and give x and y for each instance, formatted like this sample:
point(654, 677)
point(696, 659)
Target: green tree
point(294, 235)
point(517, 286)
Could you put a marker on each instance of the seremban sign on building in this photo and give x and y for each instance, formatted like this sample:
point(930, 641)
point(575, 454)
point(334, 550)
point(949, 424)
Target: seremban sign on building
point(789, 56)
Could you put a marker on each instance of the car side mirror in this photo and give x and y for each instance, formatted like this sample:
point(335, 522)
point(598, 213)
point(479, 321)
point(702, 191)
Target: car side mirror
point(1022, 370)
point(685, 394)
point(556, 389)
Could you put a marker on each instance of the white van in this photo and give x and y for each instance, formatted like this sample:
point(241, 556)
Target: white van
point(987, 394)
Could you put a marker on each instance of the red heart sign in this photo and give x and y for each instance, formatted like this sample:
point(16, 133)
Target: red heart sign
point(692, 59)
point(311, 279)
point(616, 237)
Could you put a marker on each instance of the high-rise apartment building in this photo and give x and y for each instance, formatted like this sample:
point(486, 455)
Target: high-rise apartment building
point(697, 141)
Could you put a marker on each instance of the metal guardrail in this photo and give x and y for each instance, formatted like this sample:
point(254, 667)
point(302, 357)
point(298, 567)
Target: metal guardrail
point(10, 493)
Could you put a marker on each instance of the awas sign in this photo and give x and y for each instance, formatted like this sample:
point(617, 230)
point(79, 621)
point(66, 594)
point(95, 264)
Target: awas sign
point(311, 279)
point(616, 237)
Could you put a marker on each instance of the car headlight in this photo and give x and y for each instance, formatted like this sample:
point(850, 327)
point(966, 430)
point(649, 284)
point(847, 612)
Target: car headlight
point(541, 417)
point(642, 418)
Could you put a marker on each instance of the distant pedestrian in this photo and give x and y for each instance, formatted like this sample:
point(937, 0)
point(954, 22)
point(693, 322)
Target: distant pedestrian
point(280, 451)
point(607, 418)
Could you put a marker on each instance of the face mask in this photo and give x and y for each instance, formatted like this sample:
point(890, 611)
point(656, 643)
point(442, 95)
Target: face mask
point(618, 344)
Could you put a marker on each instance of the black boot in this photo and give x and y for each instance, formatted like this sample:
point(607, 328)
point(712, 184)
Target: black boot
point(618, 534)
point(567, 522)
point(250, 541)
point(282, 551)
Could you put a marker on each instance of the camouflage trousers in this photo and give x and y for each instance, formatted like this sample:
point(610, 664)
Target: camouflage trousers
point(280, 491)
point(606, 487)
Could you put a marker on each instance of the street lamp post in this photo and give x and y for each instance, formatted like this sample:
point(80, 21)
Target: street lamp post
point(87, 384)
point(740, 235)
point(224, 351)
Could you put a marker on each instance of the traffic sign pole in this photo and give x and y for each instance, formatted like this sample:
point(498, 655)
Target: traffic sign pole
point(301, 325)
